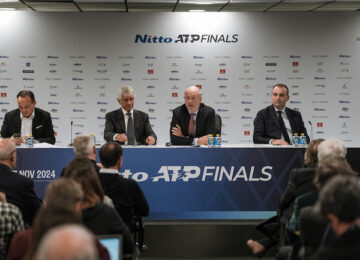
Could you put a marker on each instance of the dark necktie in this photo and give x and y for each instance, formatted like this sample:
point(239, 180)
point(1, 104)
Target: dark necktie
point(130, 130)
point(191, 130)
point(283, 128)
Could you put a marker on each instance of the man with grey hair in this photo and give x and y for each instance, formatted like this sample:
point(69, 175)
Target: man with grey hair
point(193, 122)
point(339, 202)
point(19, 190)
point(68, 242)
point(127, 125)
point(331, 147)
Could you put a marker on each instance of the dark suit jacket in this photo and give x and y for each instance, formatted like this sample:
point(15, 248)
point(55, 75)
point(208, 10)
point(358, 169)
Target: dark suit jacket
point(42, 128)
point(19, 191)
point(205, 124)
point(115, 124)
point(266, 125)
point(126, 194)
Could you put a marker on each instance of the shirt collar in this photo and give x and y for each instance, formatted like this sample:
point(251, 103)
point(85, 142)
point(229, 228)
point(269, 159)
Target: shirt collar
point(125, 112)
point(105, 170)
point(283, 110)
point(31, 117)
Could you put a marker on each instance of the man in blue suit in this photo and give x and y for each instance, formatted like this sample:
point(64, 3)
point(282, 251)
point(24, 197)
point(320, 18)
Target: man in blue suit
point(276, 124)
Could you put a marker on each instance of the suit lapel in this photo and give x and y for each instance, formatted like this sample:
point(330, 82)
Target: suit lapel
point(17, 122)
point(288, 114)
point(199, 119)
point(121, 120)
point(137, 121)
point(275, 117)
point(35, 123)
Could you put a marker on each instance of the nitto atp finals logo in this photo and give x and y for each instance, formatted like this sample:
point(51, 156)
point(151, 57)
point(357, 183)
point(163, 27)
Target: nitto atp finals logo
point(188, 38)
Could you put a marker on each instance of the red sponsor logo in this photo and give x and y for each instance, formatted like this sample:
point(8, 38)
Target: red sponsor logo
point(319, 124)
point(295, 63)
point(199, 86)
point(150, 71)
point(4, 94)
point(246, 132)
point(222, 71)
point(174, 94)
point(55, 133)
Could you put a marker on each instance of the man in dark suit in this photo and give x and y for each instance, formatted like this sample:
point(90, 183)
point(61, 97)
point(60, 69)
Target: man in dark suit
point(127, 125)
point(28, 120)
point(192, 122)
point(126, 194)
point(19, 190)
point(276, 124)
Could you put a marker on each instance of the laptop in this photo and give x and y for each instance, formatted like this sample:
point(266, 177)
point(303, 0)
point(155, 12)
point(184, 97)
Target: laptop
point(113, 244)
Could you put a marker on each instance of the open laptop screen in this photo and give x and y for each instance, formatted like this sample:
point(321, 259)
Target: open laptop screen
point(113, 244)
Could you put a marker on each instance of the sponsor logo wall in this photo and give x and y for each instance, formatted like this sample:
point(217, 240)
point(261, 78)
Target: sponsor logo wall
point(235, 58)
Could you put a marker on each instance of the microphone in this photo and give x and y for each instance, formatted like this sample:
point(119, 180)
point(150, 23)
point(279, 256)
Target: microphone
point(311, 129)
point(71, 133)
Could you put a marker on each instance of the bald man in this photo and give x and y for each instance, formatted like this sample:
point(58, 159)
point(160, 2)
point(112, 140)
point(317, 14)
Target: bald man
point(192, 122)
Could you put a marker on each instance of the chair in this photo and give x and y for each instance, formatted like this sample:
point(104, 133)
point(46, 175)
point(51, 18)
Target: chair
point(138, 230)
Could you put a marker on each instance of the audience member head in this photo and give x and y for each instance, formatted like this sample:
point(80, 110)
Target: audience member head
point(111, 155)
point(7, 153)
point(329, 167)
point(68, 242)
point(339, 201)
point(26, 102)
point(64, 193)
point(331, 147)
point(311, 153)
point(84, 146)
point(193, 98)
point(83, 172)
point(126, 98)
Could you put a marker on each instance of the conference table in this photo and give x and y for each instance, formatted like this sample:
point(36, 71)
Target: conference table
point(230, 182)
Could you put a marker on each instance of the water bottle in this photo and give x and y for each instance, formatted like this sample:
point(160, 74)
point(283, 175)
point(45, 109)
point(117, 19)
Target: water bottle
point(211, 141)
point(303, 140)
point(30, 141)
point(217, 141)
point(93, 137)
point(295, 139)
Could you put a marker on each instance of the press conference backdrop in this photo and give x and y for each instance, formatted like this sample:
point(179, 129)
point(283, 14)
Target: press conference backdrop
point(75, 63)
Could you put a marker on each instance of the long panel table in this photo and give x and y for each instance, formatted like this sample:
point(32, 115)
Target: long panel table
point(188, 182)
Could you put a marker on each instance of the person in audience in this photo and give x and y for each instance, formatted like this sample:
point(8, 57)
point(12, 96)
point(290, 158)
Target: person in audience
point(10, 222)
point(193, 122)
point(98, 217)
point(28, 120)
point(328, 167)
point(300, 182)
point(62, 205)
point(127, 125)
point(276, 124)
point(126, 194)
point(19, 190)
point(67, 242)
point(339, 202)
point(332, 147)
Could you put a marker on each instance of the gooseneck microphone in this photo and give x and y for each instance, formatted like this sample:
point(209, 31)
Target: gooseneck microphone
point(71, 133)
point(311, 129)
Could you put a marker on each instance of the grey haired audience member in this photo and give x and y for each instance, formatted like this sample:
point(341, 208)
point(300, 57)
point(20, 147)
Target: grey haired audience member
point(68, 242)
point(84, 146)
point(331, 147)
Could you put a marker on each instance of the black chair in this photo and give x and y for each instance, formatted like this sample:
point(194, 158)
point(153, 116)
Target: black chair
point(138, 229)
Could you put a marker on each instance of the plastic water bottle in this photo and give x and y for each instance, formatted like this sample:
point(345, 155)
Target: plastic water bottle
point(295, 139)
point(303, 140)
point(211, 140)
point(93, 137)
point(30, 141)
point(217, 141)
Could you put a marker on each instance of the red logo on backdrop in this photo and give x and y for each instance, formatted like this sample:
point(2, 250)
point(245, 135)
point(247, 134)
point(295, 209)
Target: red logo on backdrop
point(174, 94)
point(295, 63)
point(55, 133)
point(199, 86)
point(246, 132)
point(319, 124)
point(222, 71)
point(150, 71)
point(4, 94)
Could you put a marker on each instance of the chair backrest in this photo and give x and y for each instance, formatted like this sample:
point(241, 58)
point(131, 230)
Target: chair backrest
point(218, 124)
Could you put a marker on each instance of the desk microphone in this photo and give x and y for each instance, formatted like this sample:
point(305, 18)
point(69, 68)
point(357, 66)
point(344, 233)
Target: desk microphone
point(71, 133)
point(311, 129)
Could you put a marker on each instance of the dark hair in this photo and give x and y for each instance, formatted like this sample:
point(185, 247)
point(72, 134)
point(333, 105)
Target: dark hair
point(110, 153)
point(311, 152)
point(329, 167)
point(341, 197)
point(280, 85)
point(82, 170)
point(26, 93)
